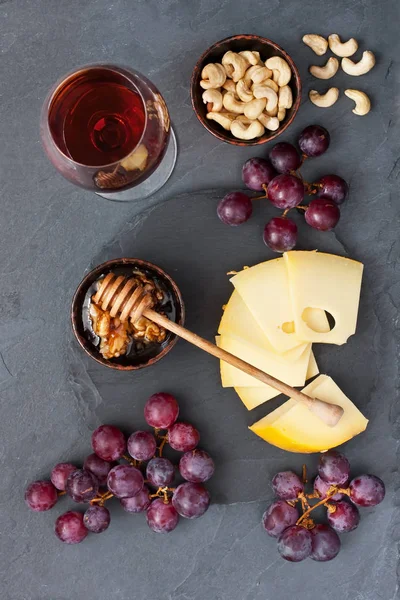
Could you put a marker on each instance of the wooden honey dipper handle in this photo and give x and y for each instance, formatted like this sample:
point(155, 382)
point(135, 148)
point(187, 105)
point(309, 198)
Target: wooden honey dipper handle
point(126, 299)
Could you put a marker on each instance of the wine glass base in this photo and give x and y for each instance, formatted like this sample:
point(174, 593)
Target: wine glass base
point(153, 183)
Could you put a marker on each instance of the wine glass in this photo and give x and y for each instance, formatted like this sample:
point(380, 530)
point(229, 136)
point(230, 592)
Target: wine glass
point(106, 128)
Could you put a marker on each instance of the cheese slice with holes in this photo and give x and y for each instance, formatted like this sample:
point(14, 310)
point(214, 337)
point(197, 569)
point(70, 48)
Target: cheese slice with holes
point(328, 282)
point(312, 369)
point(294, 428)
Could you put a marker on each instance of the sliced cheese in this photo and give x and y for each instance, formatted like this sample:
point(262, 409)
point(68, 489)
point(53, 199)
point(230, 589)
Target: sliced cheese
point(328, 282)
point(294, 428)
point(312, 369)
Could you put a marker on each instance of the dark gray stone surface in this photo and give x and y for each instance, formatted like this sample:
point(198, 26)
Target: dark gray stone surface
point(52, 396)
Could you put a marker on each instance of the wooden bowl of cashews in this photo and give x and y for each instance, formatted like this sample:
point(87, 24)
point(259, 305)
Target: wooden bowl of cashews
point(245, 90)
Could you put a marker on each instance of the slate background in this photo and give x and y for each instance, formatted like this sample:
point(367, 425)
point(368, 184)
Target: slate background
point(52, 396)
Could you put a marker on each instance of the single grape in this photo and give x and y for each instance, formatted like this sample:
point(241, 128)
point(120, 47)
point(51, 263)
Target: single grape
point(284, 157)
point(161, 411)
point(160, 472)
point(142, 445)
point(280, 234)
point(60, 473)
point(161, 517)
point(333, 467)
point(345, 517)
point(322, 487)
point(183, 437)
point(257, 172)
point(69, 527)
point(235, 208)
point(333, 187)
point(285, 191)
point(41, 495)
point(108, 442)
point(196, 466)
point(82, 486)
point(125, 481)
point(287, 485)
point(279, 516)
point(97, 518)
point(367, 490)
point(322, 214)
point(314, 140)
point(191, 500)
point(294, 543)
point(99, 467)
point(325, 543)
point(137, 503)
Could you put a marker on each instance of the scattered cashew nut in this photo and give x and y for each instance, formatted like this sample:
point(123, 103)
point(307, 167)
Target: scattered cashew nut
point(285, 97)
point(361, 67)
point(235, 65)
point(247, 132)
point(342, 48)
point(213, 97)
point(243, 91)
point(276, 63)
point(316, 42)
point(252, 57)
point(271, 123)
point(263, 91)
point(224, 119)
point(324, 100)
point(232, 104)
point(253, 109)
point(213, 76)
point(363, 103)
point(328, 70)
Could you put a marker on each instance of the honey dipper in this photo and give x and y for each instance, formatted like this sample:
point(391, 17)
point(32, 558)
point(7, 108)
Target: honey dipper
point(124, 298)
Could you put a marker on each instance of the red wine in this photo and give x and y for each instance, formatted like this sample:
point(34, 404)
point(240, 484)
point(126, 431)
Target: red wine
point(97, 117)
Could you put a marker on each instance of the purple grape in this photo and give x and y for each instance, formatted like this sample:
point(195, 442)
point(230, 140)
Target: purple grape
point(345, 517)
point(142, 445)
point(125, 481)
point(160, 472)
point(325, 543)
point(367, 490)
point(314, 140)
point(108, 442)
point(287, 485)
point(257, 172)
point(137, 503)
point(280, 234)
point(191, 500)
point(82, 486)
point(322, 214)
point(284, 157)
point(333, 467)
point(333, 187)
point(294, 544)
point(235, 208)
point(161, 517)
point(322, 487)
point(161, 411)
point(60, 473)
point(97, 518)
point(99, 467)
point(183, 437)
point(285, 191)
point(69, 527)
point(279, 516)
point(196, 466)
point(41, 495)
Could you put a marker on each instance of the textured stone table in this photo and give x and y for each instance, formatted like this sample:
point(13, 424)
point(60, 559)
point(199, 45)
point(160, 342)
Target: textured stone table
point(52, 396)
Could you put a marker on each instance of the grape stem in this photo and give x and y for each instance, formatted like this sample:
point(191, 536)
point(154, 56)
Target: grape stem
point(162, 492)
point(61, 493)
point(102, 498)
point(331, 492)
point(131, 461)
point(164, 440)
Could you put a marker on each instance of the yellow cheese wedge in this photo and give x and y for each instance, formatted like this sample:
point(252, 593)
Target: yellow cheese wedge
point(294, 428)
point(328, 282)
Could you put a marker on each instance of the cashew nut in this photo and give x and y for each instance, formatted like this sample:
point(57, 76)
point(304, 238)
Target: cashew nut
point(224, 119)
point(233, 105)
point(363, 103)
point(253, 109)
point(285, 98)
point(361, 67)
point(271, 123)
point(279, 64)
point(243, 91)
point(251, 56)
point(342, 48)
point(213, 76)
point(328, 70)
point(235, 65)
point(316, 42)
point(213, 97)
point(263, 91)
point(229, 86)
point(247, 132)
point(324, 100)
point(270, 83)
point(261, 74)
point(249, 73)
point(281, 114)
point(273, 112)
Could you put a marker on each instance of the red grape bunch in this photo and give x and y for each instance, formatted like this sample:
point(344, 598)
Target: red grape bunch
point(298, 536)
point(141, 484)
point(282, 184)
